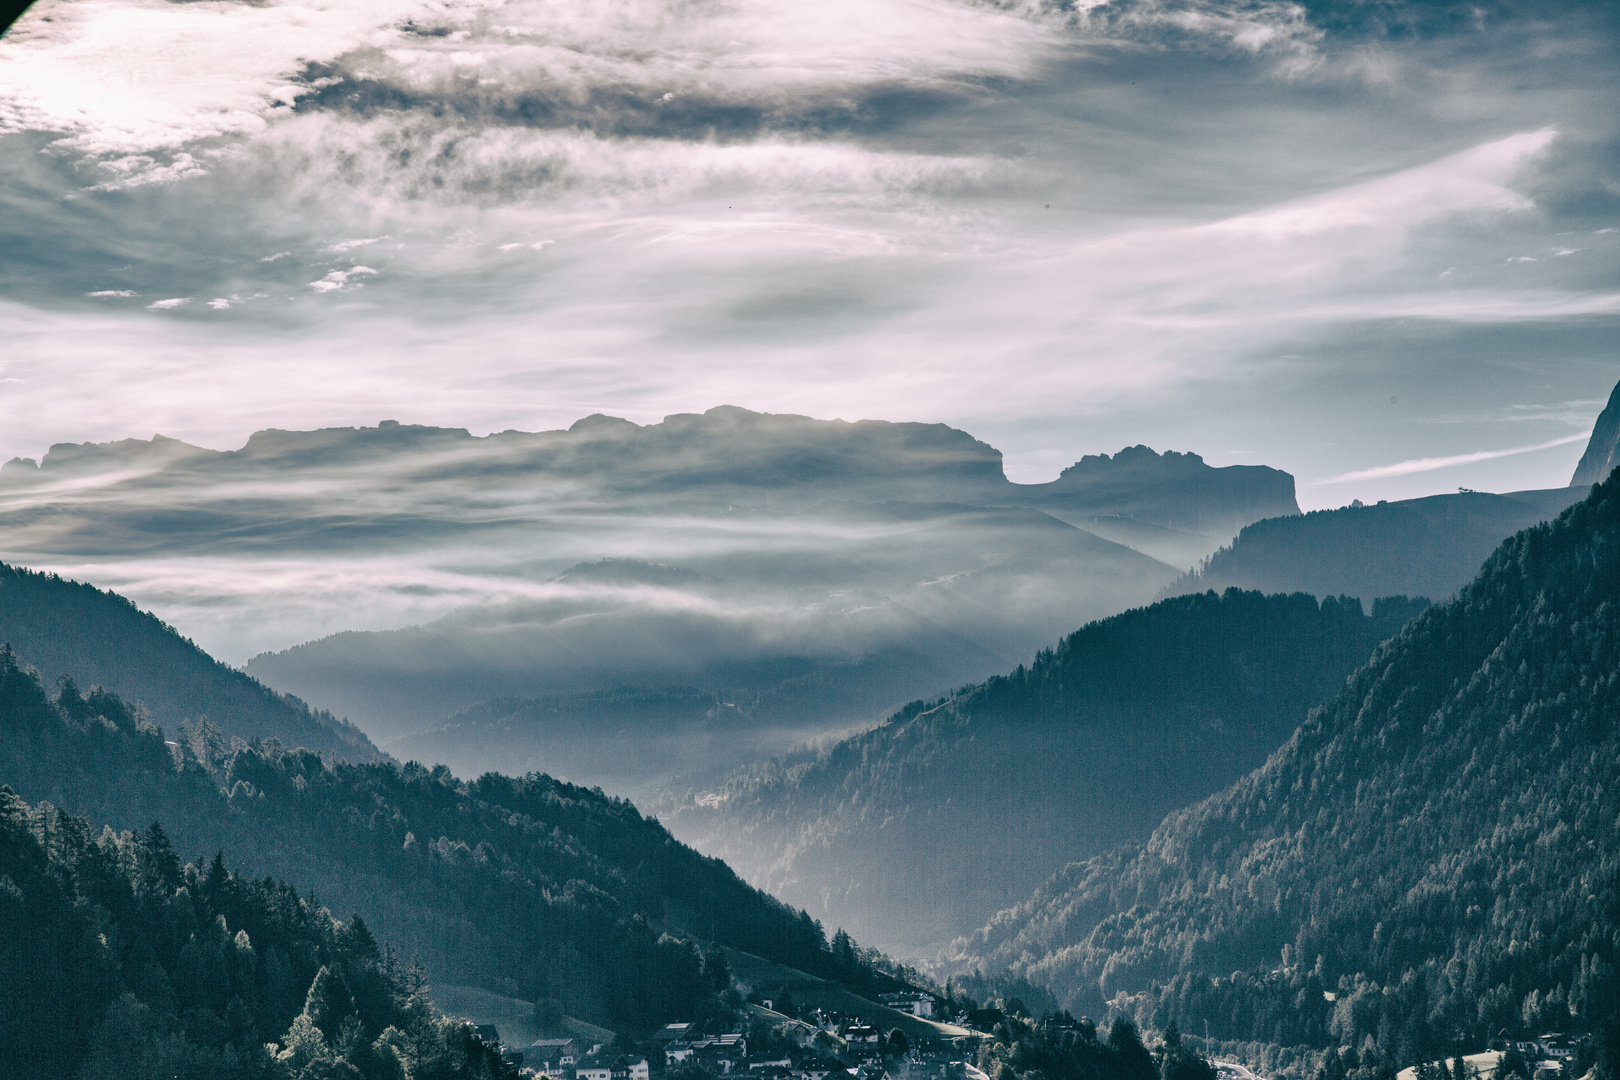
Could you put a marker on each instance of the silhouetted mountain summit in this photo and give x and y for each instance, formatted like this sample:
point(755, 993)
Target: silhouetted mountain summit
point(1603, 448)
point(1174, 490)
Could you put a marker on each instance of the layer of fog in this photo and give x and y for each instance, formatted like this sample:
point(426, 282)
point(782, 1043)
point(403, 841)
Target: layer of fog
point(808, 576)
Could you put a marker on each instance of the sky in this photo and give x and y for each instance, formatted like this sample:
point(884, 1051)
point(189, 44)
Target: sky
point(1376, 244)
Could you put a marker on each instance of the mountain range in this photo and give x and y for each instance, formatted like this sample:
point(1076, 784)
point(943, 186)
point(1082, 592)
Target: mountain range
point(1268, 835)
point(1429, 859)
point(810, 575)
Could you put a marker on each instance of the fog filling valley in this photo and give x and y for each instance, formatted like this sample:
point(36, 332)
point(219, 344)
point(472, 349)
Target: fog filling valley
point(1105, 500)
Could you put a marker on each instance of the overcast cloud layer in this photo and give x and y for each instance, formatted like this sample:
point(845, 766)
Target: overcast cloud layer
point(1373, 244)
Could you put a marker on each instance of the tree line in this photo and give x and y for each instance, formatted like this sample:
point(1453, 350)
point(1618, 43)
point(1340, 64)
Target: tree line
point(568, 893)
point(119, 961)
point(1431, 862)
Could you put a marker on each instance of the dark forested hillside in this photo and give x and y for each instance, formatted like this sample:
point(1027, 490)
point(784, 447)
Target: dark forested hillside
point(1417, 547)
point(560, 889)
point(101, 639)
point(119, 962)
point(1438, 846)
point(928, 824)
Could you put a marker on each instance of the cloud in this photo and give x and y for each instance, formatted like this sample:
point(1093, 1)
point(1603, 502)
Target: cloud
point(1420, 465)
point(1084, 223)
point(141, 76)
point(338, 279)
point(137, 76)
point(298, 536)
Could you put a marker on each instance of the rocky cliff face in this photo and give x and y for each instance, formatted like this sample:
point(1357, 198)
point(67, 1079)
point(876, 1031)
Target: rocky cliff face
point(727, 455)
point(1601, 450)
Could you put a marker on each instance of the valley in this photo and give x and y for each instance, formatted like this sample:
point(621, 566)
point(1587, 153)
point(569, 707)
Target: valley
point(1272, 827)
point(836, 540)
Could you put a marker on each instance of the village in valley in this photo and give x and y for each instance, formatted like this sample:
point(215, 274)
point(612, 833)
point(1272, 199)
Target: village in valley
point(773, 1039)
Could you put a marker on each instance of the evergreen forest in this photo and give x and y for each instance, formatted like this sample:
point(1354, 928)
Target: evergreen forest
point(1430, 862)
point(102, 639)
point(557, 888)
point(1086, 748)
point(122, 963)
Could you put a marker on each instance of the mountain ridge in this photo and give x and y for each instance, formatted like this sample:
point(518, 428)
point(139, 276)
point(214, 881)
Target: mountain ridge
point(72, 629)
point(1429, 546)
point(1436, 844)
point(1602, 452)
point(1088, 746)
point(530, 879)
point(782, 449)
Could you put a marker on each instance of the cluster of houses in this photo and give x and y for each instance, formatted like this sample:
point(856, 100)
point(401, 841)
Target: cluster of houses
point(1553, 1046)
point(914, 1002)
point(1549, 1053)
point(863, 1053)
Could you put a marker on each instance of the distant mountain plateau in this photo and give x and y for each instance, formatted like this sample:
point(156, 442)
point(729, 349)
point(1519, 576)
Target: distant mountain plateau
point(806, 577)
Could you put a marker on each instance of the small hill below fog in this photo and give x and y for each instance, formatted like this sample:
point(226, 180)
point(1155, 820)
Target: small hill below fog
point(858, 609)
point(1417, 547)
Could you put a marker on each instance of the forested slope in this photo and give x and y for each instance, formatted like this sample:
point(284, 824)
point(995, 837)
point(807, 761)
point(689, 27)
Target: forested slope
point(913, 831)
point(1439, 845)
point(119, 962)
point(99, 638)
point(560, 889)
point(1417, 547)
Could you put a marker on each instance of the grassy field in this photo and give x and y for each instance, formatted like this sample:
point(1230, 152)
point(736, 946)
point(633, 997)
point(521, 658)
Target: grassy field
point(513, 1017)
point(811, 992)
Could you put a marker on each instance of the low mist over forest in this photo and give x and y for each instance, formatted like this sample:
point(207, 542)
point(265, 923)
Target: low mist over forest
point(1083, 750)
point(805, 577)
point(1137, 823)
point(853, 540)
